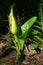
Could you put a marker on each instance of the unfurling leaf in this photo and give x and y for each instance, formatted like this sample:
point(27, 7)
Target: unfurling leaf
point(12, 22)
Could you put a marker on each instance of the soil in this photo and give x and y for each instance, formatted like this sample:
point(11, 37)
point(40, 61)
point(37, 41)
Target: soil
point(9, 57)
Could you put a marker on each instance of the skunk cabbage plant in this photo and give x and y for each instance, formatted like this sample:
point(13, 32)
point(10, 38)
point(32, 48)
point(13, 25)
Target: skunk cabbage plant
point(19, 40)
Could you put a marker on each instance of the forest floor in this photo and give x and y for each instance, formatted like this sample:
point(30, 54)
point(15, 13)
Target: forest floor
point(8, 58)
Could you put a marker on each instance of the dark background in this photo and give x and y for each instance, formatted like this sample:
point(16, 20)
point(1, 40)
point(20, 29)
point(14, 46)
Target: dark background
point(23, 8)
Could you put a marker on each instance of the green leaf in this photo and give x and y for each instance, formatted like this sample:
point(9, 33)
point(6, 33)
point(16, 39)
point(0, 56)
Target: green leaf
point(17, 42)
point(37, 27)
point(35, 32)
point(21, 43)
point(8, 47)
point(27, 25)
point(34, 45)
point(38, 38)
point(16, 45)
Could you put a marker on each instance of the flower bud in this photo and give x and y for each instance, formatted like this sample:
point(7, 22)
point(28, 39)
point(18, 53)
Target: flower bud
point(12, 22)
